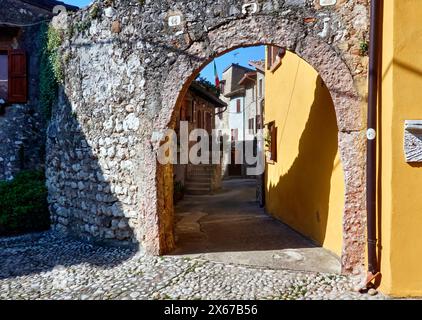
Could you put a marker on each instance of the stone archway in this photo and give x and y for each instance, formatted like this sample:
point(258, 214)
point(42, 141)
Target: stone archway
point(340, 83)
point(126, 65)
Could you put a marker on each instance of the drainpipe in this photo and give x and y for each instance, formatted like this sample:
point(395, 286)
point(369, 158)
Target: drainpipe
point(371, 180)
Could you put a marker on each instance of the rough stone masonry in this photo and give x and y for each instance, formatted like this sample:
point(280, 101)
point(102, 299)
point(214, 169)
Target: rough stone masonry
point(127, 63)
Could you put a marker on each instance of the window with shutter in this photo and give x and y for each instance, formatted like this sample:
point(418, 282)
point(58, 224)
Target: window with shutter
point(273, 129)
point(238, 109)
point(208, 122)
point(199, 119)
point(235, 135)
point(183, 110)
point(17, 80)
point(274, 57)
point(4, 75)
point(251, 126)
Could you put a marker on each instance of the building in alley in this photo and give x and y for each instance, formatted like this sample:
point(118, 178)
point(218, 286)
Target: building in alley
point(22, 123)
point(199, 109)
point(242, 88)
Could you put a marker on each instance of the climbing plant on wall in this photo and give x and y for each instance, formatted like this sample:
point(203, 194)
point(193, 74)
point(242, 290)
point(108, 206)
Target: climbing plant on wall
point(51, 72)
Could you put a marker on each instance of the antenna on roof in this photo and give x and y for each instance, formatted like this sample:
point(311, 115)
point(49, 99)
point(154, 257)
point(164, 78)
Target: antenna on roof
point(235, 56)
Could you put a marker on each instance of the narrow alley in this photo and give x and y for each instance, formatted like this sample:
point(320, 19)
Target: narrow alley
point(230, 227)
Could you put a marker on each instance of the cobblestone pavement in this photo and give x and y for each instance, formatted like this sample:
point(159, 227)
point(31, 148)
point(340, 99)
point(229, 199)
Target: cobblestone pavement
point(46, 266)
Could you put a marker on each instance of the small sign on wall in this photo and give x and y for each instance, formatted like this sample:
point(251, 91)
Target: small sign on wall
point(413, 141)
point(324, 3)
point(174, 21)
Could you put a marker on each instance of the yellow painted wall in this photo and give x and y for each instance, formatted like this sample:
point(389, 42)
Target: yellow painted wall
point(401, 183)
point(305, 187)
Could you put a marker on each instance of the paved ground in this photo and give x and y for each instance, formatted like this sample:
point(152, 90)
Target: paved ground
point(47, 266)
point(230, 227)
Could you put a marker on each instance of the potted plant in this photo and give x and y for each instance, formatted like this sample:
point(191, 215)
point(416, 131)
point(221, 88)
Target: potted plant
point(178, 191)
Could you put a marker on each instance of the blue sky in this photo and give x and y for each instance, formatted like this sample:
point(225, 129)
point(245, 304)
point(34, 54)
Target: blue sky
point(79, 3)
point(241, 56)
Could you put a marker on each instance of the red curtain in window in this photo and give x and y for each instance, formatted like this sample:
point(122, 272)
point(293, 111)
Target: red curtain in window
point(18, 84)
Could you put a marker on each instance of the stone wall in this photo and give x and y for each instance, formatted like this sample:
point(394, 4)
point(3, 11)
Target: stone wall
point(126, 71)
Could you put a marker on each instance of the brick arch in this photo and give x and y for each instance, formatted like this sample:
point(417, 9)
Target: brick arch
point(333, 70)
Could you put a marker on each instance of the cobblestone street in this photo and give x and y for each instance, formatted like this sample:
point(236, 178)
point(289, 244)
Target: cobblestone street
point(45, 266)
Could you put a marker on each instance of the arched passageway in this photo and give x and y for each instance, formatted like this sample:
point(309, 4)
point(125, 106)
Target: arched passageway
point(336, 76)
point(303, 186)
point(126, 72)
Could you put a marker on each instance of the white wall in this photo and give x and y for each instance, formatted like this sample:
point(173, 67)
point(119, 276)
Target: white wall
point(236, 119)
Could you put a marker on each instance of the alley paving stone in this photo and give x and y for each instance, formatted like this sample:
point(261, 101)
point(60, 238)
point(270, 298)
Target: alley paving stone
point(48, 266)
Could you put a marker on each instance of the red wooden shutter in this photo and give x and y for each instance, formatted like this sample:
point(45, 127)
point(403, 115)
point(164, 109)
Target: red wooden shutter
point(269, 57)
point(238, 105)
point(183, 111)
point(235, 135)
point(18, 83)
point(199, 119)
point(208, 119)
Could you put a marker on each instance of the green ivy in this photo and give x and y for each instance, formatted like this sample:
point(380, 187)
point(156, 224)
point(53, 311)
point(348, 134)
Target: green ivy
point(54, 41)
point(95, 11)
point(364, 48)
point(51, 71)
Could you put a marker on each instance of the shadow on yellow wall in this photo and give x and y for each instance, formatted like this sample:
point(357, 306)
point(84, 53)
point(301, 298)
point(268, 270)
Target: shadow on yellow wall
point(308, 192)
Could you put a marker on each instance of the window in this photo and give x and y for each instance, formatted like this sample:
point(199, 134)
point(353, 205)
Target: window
point(238, 108)
point(183, 110)
point(208, 122)
point(13, 76)
point(274, 57)
point(235, 134)
point(271, 142)
point(251, 125)
point(199, 119)
point(190, 111)
point(4, 75)
point(220, 113)
point(222, 86)
point(260, 87)
point(258, 122)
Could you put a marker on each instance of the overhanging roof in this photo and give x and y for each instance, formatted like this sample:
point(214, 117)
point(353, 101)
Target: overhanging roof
point(205, 94)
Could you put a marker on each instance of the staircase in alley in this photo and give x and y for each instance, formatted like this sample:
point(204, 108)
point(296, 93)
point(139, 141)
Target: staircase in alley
point(200, 179)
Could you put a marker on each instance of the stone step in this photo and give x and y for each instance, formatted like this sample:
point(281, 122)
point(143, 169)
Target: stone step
point(200, 174)
point(201, 169)
point(199, 178)
point(198, 184)
point(198, 191)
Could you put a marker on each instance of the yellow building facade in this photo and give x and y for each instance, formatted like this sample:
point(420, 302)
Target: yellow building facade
point(400, 199)
point(305, 185)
